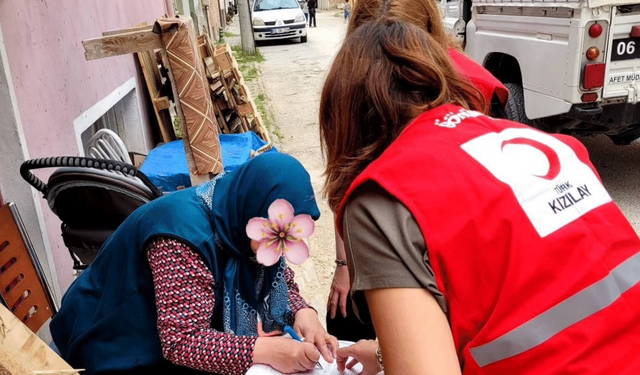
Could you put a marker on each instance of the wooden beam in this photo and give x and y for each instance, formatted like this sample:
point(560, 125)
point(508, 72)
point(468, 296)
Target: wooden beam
point(196, 179)
point(129, 30)
point(24, 347)
point(161, 102)
point(149, 66)
point(121, 44)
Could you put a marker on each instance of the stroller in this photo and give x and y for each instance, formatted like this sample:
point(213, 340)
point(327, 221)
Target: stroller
point(92, 197)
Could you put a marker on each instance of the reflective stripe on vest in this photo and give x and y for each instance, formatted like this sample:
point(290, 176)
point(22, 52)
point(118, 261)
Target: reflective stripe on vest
point(568, 312)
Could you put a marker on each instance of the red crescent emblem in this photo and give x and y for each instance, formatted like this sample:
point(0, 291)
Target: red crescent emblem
point(552, 156)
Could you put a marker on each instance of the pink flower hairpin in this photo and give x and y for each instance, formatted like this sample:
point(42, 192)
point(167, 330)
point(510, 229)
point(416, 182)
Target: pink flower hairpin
point(281, 234)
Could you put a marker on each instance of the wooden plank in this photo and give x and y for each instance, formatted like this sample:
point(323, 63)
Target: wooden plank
point(209, 46)
point(153, 80)
point(240, 98)
point(222, 104)
point(223, 61)
point(25, 347)
point(202, 47)
point(215, 87)
point(129, 30)
point(224, 128)
point(9, 365)
point(245, 123)
point(245, 109)
point(210, 67)
point(161, 102)
point(121, 44)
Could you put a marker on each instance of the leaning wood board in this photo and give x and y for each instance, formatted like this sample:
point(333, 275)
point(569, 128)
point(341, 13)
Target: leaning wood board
point(23, 350)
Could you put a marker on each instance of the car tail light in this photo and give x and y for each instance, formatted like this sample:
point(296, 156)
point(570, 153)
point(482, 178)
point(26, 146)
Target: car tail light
point(635, 31)
point(593, 53)
point(593, 77)
point(595, 30)
point(589, 97)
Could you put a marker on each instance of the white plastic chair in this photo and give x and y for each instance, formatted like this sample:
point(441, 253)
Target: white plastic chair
point(106, 144)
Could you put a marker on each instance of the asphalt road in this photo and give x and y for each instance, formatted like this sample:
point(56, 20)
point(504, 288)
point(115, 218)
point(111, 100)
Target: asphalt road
point(619, 168)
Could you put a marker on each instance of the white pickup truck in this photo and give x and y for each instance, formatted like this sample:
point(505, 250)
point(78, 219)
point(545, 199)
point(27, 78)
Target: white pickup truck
point(571, 66)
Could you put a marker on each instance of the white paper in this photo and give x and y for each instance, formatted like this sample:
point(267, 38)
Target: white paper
point(327, 368)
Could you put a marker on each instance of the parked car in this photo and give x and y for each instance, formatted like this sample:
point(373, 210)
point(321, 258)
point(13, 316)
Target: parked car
point(571, 66)
point(278, 19)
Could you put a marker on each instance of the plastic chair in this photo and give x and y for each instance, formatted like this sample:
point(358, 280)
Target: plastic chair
point(23, 287)
point(106, 144)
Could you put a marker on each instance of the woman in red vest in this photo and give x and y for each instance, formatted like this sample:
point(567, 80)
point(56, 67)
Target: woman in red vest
point(424, 14)
point(475, 245)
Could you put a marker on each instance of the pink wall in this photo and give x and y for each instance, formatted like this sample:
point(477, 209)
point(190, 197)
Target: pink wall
point(53, 82)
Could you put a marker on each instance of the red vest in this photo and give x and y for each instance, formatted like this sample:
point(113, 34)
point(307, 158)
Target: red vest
point(539, 267)
point(479, 77)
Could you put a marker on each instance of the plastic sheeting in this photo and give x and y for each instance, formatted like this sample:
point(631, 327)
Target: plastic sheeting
point(166, 166)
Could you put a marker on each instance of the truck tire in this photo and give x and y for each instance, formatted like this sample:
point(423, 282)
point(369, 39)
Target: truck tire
point(303, 39)
point(515, 104)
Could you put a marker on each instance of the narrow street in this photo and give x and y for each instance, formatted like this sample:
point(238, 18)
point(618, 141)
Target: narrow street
point(292, 76)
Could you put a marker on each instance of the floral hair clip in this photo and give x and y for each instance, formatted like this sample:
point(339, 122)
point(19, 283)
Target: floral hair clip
point(281, 233)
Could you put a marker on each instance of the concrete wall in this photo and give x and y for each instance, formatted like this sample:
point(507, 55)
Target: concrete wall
point(50, 86)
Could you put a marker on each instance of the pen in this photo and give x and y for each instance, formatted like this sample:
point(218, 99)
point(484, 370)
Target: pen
point(292, 333)
point(295, 336)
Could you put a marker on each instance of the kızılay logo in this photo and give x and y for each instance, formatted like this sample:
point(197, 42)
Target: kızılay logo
point(552, 185)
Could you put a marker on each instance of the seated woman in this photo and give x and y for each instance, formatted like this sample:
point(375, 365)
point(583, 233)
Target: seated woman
point(178, 288)
point(475, 245)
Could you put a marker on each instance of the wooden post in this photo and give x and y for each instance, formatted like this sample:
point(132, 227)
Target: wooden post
point(246, 28)
point(196, 179)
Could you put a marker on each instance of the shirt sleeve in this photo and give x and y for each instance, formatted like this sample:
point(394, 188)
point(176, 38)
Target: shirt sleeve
point(296, 302)
point(385, 247)
point(185, 301)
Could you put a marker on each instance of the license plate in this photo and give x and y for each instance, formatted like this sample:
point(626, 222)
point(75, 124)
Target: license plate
point(625, 49)
point(280, 30)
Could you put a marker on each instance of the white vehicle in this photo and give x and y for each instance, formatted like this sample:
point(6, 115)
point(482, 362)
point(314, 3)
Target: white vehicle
point(571, 66)
point(278, 19)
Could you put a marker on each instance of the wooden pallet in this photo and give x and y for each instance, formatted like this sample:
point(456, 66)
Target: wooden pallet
point(238, 95)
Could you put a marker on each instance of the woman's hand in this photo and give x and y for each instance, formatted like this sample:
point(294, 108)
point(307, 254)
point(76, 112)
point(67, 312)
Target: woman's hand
point(339, 292)
point(364, 351)
point(285, 354)
point(308, 326)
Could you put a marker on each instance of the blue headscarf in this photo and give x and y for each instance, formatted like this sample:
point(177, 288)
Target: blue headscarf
point(250, 289)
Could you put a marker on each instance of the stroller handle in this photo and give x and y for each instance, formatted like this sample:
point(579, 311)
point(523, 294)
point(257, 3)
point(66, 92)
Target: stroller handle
point(77, 161)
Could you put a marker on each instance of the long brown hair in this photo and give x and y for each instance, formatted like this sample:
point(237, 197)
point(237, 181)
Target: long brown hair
point(386, 73)
point(421, 13)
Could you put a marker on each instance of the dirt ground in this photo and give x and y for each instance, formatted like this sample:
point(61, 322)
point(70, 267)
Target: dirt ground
point(291, 78)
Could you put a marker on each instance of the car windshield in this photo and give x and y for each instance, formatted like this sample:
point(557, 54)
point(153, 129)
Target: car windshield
point(260, 5)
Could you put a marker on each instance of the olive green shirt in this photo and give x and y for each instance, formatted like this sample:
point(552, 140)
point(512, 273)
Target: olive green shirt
point(385, 247)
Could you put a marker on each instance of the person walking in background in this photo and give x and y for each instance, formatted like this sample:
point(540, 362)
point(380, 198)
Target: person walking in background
point(312, 5)
point(347, 10)
point(305, 8)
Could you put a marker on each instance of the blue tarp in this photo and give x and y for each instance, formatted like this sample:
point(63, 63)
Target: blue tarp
point(166, 166)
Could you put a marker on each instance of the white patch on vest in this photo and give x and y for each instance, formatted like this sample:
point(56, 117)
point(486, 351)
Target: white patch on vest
point(451, 119)
point(552, 185)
